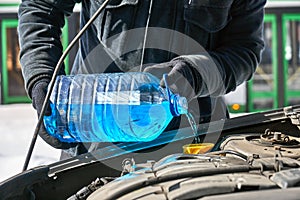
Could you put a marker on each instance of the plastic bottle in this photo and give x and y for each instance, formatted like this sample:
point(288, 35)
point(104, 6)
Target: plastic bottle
point(116, 107)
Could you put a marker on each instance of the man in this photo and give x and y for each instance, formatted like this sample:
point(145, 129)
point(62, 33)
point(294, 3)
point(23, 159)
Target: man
point(207, 47)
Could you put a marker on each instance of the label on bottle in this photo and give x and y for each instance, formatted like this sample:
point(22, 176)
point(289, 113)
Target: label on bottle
point(118, 97)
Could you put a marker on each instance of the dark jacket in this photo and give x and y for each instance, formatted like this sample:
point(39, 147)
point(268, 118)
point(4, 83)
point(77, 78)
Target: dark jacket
point(229, 30)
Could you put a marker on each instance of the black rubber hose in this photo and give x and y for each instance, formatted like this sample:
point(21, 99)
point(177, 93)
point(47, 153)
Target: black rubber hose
point(55, 74)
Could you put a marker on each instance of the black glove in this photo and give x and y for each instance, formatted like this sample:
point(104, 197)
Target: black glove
point(38, 94)
point(182, 78)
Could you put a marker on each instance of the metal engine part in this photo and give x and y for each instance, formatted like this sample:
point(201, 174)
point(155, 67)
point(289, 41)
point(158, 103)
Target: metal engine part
point(267, 144)
point(206, 175)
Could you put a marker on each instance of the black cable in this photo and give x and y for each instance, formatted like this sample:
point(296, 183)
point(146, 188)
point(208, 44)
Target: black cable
point(54, 76)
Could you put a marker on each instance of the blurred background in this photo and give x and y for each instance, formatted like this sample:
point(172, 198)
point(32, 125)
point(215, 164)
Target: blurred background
point(275, 84)
point(17, 124)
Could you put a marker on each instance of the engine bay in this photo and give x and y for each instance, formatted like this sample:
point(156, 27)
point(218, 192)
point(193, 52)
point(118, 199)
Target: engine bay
point(256, 156)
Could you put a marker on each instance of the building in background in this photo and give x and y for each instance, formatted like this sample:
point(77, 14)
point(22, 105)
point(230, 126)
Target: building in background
point(11, 81)
point(275, 84)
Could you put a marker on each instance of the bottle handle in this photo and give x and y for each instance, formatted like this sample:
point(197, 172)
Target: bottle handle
point(171, 97)
point(167, 88)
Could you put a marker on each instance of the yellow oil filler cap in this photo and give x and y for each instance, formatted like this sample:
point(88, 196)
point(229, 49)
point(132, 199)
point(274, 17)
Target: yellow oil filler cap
point(197, 148)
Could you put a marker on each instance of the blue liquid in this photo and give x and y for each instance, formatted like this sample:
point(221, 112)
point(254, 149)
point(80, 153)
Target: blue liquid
point(108, 122)
point(118, 107)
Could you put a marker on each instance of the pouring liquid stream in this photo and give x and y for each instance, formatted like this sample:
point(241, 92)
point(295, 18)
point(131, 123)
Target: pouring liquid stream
point(193, 126)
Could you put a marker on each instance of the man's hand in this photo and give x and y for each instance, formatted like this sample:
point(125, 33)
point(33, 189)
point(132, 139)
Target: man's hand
point(182, 78)
point(38, 94)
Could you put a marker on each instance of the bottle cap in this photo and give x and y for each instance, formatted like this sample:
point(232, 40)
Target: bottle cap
point(182, 105)
point(178, 104)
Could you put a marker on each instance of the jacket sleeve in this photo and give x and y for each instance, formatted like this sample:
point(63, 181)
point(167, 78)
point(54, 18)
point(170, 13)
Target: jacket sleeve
point(39, 29)
point(237, 54)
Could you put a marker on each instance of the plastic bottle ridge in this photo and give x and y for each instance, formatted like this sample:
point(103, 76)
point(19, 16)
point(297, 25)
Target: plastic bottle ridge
point(117, 107)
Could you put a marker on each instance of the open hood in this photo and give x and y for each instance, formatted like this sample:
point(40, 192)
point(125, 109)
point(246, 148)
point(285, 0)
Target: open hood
point(256, 155)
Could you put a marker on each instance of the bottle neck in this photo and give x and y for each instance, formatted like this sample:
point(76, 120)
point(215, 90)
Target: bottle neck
point(178, 105)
